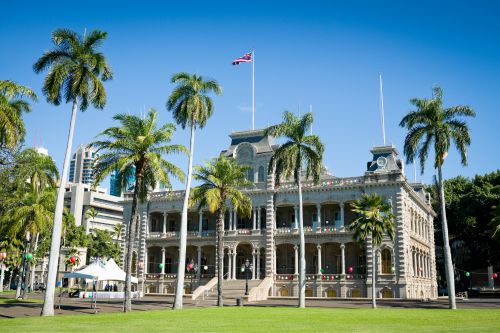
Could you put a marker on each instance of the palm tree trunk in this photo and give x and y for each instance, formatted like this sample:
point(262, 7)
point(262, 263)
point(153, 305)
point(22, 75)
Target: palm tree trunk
point(2, 275)
point(48, 304)
point(27, 270)
point(448, 263)
point(374, 276)
point(34, 266)
point(22, 269)
point(302, 249)
point(179, 289)
point(220, 256)
point(130, 241)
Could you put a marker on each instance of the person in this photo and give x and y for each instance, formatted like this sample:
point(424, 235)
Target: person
point(115, 287)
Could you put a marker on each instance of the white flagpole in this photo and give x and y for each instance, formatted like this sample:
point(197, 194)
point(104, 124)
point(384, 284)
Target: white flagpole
point(382, 107)
point(253, 91)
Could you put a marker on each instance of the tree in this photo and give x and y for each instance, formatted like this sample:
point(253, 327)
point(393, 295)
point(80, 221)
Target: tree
point(13, 102)
point(300, 150)
point(221, 180)
point(72, 253)
point(431, 124)
point(91, 214)
point(117, 230)
point(374, 219)
point(37, 169)
point(75, 73)
point(191, 106)
point(103, 245)
point(139, 144)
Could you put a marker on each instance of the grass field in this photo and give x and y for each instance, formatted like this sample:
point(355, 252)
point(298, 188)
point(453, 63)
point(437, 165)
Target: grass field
point(10, 300)
point(266, 320)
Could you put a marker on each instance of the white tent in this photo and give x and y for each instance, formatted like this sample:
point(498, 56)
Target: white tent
point(100, 271)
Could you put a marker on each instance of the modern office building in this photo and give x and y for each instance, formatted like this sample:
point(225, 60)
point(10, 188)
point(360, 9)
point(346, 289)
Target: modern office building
point(80, 167)
point(336, 265)
point(114, 186)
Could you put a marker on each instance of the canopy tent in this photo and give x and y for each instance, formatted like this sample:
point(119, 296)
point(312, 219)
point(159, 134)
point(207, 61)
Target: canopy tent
point(101, 271)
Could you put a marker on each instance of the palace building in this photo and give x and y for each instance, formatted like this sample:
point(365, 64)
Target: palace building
point(336, 265)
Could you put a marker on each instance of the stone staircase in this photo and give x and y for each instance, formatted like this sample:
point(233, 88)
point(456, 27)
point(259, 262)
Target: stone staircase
point(231, 290)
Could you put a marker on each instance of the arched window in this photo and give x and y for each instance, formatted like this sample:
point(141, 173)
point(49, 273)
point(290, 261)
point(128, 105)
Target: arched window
point(386, 261)
point(261, 177)
point(250, 175)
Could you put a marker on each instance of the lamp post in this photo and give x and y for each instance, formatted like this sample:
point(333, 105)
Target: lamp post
point(192, 269)
point(247, 268)
point(3, 255)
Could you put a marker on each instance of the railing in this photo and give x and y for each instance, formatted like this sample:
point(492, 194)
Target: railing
point(324, 183)
point(261, 292)
point(202, 289)
point(321, 277)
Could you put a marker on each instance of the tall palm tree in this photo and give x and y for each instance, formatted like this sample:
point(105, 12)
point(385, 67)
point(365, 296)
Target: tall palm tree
point(431, 124)
point(221, 180)
point(191, 106)
point(75, 73)
point(40, 170)
point(138, 143)
point(90, 215)
point(13, 102)
point(374, 220)
point(298, 152)
point(117, 230)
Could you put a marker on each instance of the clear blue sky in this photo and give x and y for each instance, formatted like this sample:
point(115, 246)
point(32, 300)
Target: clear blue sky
point(310, 53)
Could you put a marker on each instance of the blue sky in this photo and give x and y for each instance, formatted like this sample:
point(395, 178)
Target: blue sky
point(308, 53)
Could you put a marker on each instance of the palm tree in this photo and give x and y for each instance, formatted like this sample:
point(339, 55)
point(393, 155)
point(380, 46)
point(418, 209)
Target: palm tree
point(12, 104)
point(191, 106)
point(91, 214)
point(300, 150)
point(221, 180)
point(75, 72)
point(374, 219)
point(30, 213)
point(40, 170)
point(139, 144)
point(117, 230)
point(433, 124)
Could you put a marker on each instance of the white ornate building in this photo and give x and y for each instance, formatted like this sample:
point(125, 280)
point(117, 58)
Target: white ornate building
point(336, 266)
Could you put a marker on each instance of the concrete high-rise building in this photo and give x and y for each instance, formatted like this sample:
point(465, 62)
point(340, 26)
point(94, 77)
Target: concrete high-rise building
point(80, 168)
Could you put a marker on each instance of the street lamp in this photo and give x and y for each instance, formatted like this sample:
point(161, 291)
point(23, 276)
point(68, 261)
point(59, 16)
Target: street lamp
point(192, 269)
point(247, 268)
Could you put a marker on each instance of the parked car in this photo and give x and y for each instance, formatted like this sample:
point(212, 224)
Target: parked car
point(39, 286)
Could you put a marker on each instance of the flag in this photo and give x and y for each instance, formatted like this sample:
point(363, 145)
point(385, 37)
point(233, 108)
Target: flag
point(246, 58)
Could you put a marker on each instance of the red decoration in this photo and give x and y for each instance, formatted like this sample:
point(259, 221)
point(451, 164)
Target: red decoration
point(3, 255)
point(495, 275)
point(72, 259)
point(350, 270)
point(190, 267)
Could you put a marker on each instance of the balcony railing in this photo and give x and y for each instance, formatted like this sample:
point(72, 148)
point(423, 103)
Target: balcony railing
point(334, 182)
point(321, 277)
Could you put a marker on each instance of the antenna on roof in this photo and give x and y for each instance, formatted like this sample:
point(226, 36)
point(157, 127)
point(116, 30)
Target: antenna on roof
point(382, 107)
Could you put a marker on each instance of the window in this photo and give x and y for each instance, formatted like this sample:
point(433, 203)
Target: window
point(386, 262)
point(250, 175)
point(261, 176)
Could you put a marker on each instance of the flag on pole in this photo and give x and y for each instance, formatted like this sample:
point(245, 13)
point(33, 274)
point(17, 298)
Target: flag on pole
point(246, 58)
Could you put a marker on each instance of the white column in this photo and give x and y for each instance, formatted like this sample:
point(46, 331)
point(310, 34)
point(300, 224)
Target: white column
point(318, 247)
point(341, 215)
point(198, 273)
point(234, 264)
point(145, 262)
point(231, 219)
point(296, 222)
point(258, 264)
point(318, 209)
point(259, 221)
point(296, 257)
point(200, 222)
point(163, 260)
point(342, 250)
point(274, 260)
point(229, 264)
point(165, 214)
point(235, 220)
point(253, 265)
point(254, 217)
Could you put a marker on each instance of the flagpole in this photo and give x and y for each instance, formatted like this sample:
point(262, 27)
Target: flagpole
point(382, 107)
point(253, 91)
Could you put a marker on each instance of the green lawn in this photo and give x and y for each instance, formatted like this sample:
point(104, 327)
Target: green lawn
point(11, 300)
point(266, 320)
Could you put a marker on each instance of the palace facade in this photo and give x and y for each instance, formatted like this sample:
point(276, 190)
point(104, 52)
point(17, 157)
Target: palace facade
point(336, 266)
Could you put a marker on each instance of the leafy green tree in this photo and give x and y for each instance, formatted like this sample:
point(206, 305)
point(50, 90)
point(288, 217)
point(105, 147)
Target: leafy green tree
point(191, 106)
point(431, 124)
point(90, 215)
point(299, 151)
point(138, 143)
point(14, 100)
point(221, 182)
point(37, 169)
point(75, 74)
point(103, 245)
point(374, 220)
point(117, 230)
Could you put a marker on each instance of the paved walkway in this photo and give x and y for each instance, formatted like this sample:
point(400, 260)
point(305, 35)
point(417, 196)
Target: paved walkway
point(76, 306)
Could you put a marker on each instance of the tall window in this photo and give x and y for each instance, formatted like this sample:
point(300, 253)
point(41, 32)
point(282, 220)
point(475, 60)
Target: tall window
point(250, 176)
point(386, 261)
point(261, 176)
